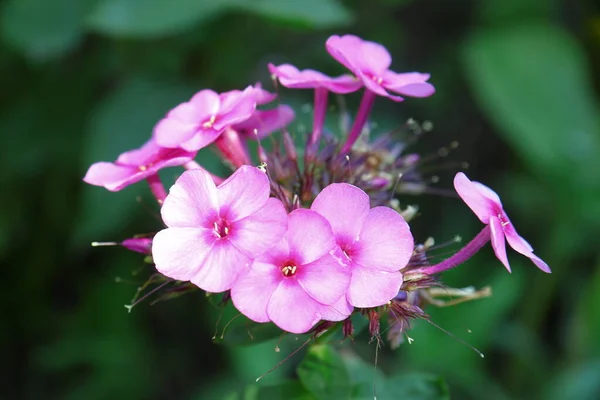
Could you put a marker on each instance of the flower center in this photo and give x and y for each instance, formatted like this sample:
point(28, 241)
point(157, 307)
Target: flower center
point(503, 220)
point(288, 270)
point(378, 80)
point(221, 229)
point(208, 124)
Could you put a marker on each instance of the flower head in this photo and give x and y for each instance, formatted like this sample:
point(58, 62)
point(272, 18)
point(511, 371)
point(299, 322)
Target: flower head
point(293, 283)
point(375, 243)
point(199, 122)
point(135, 165)
point(290, 77)
point(486, 205)
point(370, 62)
point(214, 232)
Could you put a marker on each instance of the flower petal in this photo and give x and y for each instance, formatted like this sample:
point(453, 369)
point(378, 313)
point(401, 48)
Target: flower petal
point(520, 245)
point(470, 193)
point(170, 132)
point(309, 235)
point(243, 193)
point(292, 309)
point(221, 268)
point(372, 288)
point(192, 201)
point(112, 177)
point(141, 156)
point(385, 241)
point(325, 280)
point(207, 104)
point(251, 293)
point(266, 122)
point(345, 207)
point(260, 231)
point(498, 242)
point(179, 252)
point(338, 311)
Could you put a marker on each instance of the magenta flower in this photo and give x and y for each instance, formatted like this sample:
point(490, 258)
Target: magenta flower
point(290, 77)
point(135, 165)
point(486, 204)
point(139, 245)
point(199, 122)
point(214, 232)
point(370, 62)
point(375, 243)
point(292, 283)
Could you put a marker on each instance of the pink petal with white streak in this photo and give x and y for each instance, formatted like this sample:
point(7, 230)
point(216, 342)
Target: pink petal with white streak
point(338, 311)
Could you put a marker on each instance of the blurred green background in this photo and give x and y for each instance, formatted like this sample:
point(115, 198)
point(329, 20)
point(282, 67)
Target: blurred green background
point(84, 80)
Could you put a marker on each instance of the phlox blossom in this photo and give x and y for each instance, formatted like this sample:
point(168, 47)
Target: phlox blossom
point(375, 243)
point(486, 205)
point(199, 122)
point(293, 283)
point(370, 62)
point(214, 232)
point(135, 165)
point(290, 77)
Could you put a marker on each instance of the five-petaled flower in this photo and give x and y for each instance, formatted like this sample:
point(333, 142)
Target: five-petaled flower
point(293, 282)
point(370, 62)
point(199, 122)
point(214, 232)
point(486, 205)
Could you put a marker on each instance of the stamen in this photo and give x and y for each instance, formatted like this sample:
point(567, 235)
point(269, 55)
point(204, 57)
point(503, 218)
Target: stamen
point(208, 124)
point(288, 270)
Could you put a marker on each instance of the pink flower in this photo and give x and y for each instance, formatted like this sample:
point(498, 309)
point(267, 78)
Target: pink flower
point(375, 243)
point(139, 245)
point(135, 165)
point(486, 204)
point(214, 232)
point(293, 282)
point(290, 77)
point(199, 122)
point(370, 62)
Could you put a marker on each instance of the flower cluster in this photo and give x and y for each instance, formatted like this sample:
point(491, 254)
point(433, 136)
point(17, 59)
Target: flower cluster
point(302, 242)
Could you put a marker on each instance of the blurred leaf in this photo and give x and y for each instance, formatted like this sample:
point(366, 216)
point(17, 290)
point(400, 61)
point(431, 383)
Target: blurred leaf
point(324, 374)
point(306, 13)
point(585, 326)
point(417, 386)
point(532, 82)
point(151, 18)
point(500, 11)
point(43, 29)
point(581, 382)
point(121, 122)
point(292, 390)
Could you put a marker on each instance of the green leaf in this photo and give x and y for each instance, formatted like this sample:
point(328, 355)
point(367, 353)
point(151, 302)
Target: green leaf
point(533, 83)
point(151, 18)
point(323, 373)
point(417, 386)
point(289, 390)
point(123, 121)
point(43, 29)
point(307, 13)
